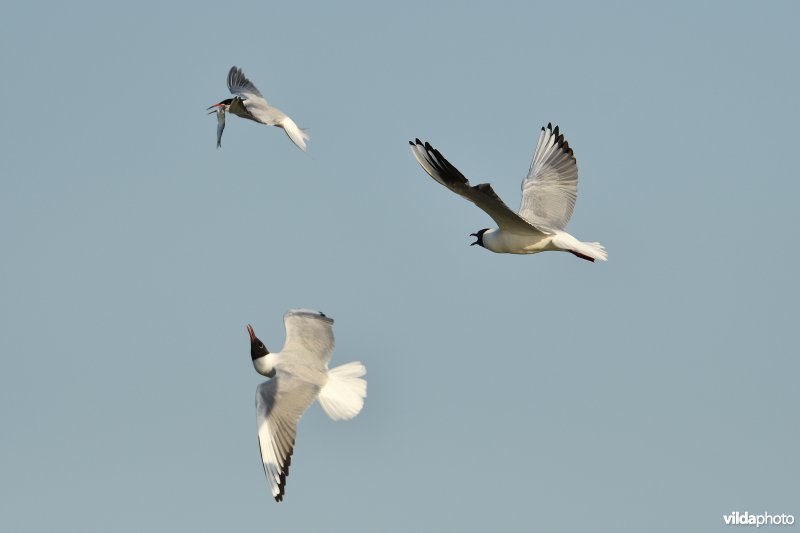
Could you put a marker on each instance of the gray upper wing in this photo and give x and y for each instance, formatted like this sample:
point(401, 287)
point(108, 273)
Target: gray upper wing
point(309, 337)
point(481, 195)
point(551, 187)
point(240, 85)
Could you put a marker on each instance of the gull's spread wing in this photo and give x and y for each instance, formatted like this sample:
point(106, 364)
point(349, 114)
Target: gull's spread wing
point(309, 337)
point(280, 402)
point(551, 187)
point(481, 195)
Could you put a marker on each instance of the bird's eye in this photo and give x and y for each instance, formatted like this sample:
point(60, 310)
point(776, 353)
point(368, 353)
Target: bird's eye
point(260, 344)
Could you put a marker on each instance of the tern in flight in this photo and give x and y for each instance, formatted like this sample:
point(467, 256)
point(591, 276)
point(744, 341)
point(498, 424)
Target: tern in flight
point(248, 103)
point(300, 375)
point(549, 192)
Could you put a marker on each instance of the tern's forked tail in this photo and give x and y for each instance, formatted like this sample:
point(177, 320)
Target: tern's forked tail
point(343, 395)
point(298, 136)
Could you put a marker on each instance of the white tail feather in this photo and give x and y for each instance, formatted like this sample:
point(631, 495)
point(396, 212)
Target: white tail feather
point(568, 243)
point(343, 395)
point(297, 135)
point(594, 250)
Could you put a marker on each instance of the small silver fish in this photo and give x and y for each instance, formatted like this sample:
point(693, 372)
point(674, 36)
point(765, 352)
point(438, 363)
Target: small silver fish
point(220, 111)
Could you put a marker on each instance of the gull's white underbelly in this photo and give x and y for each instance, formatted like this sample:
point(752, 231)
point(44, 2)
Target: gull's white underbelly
point(510, 243)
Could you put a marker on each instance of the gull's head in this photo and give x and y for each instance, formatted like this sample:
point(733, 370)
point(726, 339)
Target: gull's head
point(479, 236)
point(257, 348)
point(225, 104)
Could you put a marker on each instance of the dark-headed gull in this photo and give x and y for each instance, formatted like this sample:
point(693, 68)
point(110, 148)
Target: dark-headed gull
point(248, 103)
point(548, 197)
point(300, 375)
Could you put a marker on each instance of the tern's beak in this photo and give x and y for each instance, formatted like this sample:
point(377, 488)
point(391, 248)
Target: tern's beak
point(213, 106)
point(252, 333)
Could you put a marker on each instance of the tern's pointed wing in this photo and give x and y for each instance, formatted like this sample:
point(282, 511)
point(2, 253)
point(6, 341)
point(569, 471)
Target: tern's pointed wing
point(239, 85)
point(253, 105)
point(309, 337)
point(551, 187)
point(280, 402)
point(481, 195)
point(220, 124)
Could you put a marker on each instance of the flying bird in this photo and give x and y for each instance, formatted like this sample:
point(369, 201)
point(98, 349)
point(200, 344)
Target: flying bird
point(549, 192)
point(300, 375)
point(248, 103)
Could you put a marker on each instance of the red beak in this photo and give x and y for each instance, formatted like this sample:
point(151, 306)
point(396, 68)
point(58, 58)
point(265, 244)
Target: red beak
point(213, 106)
point(251, 332)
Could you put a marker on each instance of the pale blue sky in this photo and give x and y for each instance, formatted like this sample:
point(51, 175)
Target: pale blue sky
point(655, 392)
